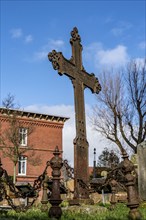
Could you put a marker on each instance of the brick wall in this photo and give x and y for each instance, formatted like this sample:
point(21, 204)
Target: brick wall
point(46, 135)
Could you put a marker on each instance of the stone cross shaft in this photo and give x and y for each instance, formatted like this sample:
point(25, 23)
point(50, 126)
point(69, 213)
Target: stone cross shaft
point(74, 69)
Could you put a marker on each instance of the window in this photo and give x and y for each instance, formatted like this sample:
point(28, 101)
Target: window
point(22, 165)
point(23, 136)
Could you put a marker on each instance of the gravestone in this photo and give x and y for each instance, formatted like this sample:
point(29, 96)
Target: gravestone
point(74, 69)
point(141, 154)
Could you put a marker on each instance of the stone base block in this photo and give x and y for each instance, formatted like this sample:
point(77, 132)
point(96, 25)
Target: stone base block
point(81, 202)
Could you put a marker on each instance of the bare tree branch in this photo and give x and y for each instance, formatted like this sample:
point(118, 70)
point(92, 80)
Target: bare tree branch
point(120, 115)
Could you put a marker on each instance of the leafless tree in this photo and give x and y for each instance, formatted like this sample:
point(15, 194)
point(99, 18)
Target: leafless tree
point(120, 112)
point(10, 138)
point(9, 102)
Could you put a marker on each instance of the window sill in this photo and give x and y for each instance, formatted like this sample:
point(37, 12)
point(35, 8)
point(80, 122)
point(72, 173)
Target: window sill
point(23, 146)
point(20, 174)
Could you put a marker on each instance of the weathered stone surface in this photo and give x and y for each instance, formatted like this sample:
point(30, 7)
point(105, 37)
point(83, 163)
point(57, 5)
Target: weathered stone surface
point(141, 153)
point(96, 197)
point(89, 209)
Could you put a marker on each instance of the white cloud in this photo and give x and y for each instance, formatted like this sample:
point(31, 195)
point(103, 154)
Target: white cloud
point(28, 38)
point(16, 33)
point(117, 31)
point(41, 55)
point(112, 58)
point(89, 55)
point(58, 110)
point(121, 27)
point(91, 50)
point(98, 58)
point(69, 132)
point(51, 45)
point(140, 61)
point(142, 45)
point(55, 44)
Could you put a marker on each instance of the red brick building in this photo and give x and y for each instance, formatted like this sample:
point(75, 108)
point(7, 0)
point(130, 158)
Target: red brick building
point(45, 136)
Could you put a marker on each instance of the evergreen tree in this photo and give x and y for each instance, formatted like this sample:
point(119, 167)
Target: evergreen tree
point(108, 158)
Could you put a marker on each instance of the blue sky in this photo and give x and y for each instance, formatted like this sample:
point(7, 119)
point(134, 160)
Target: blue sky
point(112, 33)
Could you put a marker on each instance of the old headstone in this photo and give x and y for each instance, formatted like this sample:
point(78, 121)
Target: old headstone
point(141, 153)
point(74, 69)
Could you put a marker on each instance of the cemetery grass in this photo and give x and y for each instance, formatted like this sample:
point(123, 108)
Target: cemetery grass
point(119, 213)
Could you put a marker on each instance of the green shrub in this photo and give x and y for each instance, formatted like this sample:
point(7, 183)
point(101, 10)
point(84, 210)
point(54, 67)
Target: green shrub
point(64, 204)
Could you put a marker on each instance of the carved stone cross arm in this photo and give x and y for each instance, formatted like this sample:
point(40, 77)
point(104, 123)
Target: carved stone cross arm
point(68, 68)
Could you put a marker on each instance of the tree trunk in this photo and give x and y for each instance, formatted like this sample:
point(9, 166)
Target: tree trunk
point(14, 174)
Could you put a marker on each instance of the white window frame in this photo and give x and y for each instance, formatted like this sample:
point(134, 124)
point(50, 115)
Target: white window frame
point(22, 165)
point(23, 136)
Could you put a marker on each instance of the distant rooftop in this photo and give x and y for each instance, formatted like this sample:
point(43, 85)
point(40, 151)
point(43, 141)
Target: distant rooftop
point(33, 115)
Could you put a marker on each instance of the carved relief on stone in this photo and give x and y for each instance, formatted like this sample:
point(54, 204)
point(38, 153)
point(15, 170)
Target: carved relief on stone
point(54, 57)
point(97, 87)
point(75, 35)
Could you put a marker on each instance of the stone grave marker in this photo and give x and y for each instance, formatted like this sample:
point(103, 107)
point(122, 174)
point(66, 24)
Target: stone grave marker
point(141, 154)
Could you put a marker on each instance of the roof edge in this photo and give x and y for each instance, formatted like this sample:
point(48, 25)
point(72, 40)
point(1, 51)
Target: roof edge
point(33, 115)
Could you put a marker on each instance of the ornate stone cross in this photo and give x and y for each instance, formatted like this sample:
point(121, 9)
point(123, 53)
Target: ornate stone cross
point(74, 69)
